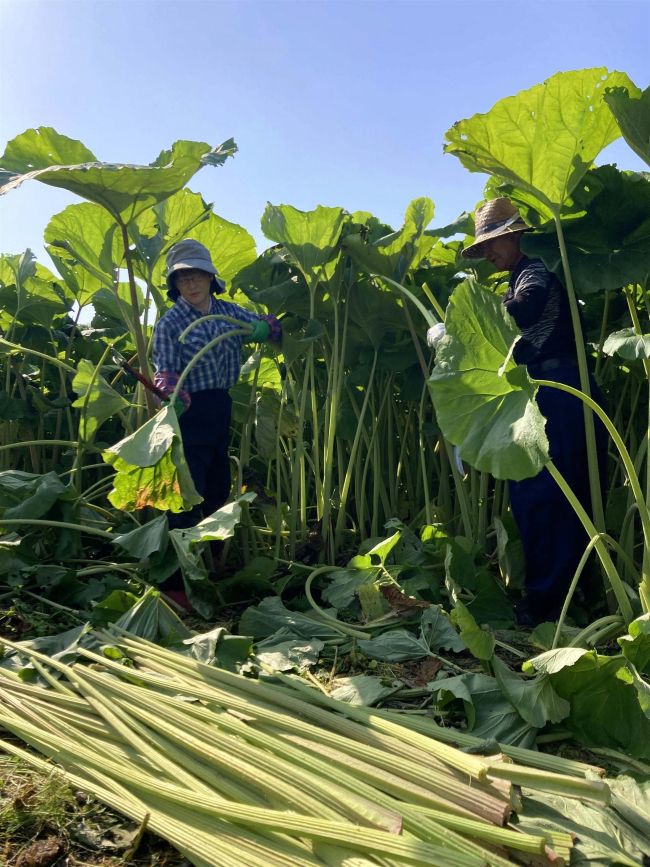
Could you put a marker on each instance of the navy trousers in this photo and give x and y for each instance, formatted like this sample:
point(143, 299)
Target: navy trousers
point(206, 434)
point(552, 535)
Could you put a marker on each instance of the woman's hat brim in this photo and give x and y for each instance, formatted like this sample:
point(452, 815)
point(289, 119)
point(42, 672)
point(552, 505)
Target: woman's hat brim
point(474, 250)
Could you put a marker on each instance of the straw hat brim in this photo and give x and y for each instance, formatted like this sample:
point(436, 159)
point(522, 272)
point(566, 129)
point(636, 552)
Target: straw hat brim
point(474, 250)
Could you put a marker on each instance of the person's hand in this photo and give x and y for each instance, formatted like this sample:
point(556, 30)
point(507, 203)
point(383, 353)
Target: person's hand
point(178, 406)
point(435, 334)
point(260, 332)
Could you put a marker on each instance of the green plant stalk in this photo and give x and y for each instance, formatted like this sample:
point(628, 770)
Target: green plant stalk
point(310, 827)
point(572, 589)
point(332, 401)
point(345, 488)
point(645, 583)
point(277, 778)
point(609, 567)
point(83, 443)
point(385, 750)
point(243, 763)
point(632, 478)
point(343, 628)
point(16, 347)
point(557, 784)
point(533, 758)
point(59, 525)
point(581, 355)
point(202, 351)
point(195, 837)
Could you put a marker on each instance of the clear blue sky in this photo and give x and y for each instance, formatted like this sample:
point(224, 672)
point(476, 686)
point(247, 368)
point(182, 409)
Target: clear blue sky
point(337, 102)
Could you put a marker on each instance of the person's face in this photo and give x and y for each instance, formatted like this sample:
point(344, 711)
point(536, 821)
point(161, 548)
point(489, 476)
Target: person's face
point(503, 252)
point(194, 286)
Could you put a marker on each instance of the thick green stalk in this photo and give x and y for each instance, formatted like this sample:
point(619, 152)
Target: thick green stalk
point(134, 323)
point(581, 355)
point(609, 567)
point(345, 488)
point(632, 478)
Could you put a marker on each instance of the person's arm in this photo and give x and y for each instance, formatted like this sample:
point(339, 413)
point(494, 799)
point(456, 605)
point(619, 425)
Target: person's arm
point(266, 328)
point(167, 363)
point(531, 294)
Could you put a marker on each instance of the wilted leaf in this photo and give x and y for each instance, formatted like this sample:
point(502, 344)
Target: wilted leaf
point(151, 469)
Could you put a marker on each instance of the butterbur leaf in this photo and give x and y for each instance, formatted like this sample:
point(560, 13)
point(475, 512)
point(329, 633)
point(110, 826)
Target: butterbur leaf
point(395, 254)
point(362, 689)
point(311, 237)
point(151, 469)
point(535, 699)
point(604, 699)
point(479, 642)
point(124, 190)
point(396, 645)
point(145, 540)
point(439, 631)
point(544, 139)
point(632, 112)
point(628, 344)
point(490, 715)
point(271, 616)
point(609, 246)
point(635, 646)
point(218, 647)
point(291, 654)
point(97, 400)
point(484, 401)
point(28, 495)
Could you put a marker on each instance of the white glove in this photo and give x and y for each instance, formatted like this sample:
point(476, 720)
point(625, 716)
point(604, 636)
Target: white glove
point(435, 334)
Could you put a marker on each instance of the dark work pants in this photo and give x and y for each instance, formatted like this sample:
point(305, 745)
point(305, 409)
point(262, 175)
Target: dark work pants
point(552, 534)
point(206, 433)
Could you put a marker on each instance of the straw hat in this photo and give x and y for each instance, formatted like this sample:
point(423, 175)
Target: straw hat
point(495, 218)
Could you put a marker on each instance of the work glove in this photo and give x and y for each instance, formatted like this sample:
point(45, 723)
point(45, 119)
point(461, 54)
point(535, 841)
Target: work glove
point(179, 406)
point(435, 334)
point(260, 332)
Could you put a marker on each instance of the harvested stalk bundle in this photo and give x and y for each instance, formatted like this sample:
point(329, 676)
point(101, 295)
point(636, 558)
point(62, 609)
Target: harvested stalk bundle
point(236, 771)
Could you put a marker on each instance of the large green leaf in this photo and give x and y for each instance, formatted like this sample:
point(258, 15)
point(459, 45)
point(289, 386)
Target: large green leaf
point(490, 715)
point(151, 469)
point(534, 697)
point(124, 190)
point(544, 139)
point(145, 540)
point(28, 495)
point(632, 113)
point(606, 708)
point(609, 247)
point(271, 616)
point(218, 526)
point(635, 646)
point(628, 344)
point(395, 254)
point(29, 292)
point(85, 244)
point(479, 642)
point(483, 400)
point(311, 237)
point(97, 400)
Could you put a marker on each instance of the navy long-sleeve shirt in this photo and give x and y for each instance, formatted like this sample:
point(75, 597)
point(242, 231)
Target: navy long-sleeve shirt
point(538, 303)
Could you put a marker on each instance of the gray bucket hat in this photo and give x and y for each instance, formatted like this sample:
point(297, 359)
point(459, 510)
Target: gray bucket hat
point(191, 254)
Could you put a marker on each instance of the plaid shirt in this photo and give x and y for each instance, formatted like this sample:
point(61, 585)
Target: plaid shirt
point(216, 369)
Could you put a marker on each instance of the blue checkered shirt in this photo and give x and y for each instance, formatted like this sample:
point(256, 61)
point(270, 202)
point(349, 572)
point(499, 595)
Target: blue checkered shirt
point(216, 369)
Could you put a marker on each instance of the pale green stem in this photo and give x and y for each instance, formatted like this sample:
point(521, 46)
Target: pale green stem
point(610, 570)
point(590, 432)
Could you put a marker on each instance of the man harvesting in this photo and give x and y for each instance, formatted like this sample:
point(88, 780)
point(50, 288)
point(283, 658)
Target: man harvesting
point(552, 534)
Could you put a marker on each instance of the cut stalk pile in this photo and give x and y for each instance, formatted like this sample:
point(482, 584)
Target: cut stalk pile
point(237, 771)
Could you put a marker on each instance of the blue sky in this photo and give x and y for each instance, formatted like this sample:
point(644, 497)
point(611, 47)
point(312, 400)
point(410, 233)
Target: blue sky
point(336, 102)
